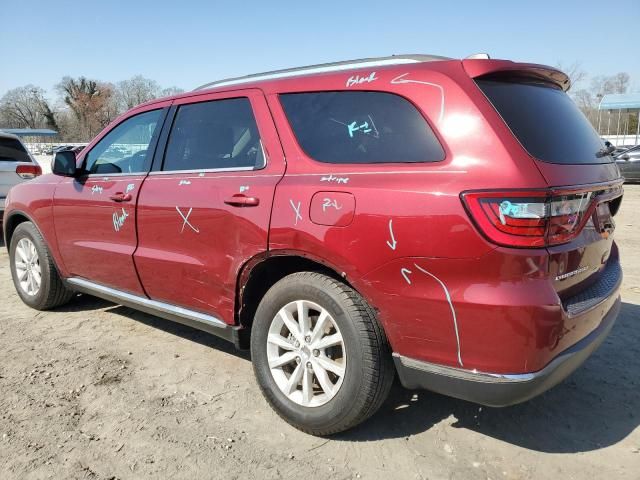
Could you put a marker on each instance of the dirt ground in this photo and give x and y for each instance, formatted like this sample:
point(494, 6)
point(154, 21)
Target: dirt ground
point(94, 390)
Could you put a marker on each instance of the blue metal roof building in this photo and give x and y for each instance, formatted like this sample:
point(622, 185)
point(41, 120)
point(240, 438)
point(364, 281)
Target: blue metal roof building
point(620, 102)
point(30, 132)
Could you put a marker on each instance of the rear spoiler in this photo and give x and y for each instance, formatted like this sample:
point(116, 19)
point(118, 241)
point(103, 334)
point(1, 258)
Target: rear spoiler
point(481, 68)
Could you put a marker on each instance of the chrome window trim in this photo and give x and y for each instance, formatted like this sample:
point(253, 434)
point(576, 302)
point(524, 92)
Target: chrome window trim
point(207, 170)
point(109, 175)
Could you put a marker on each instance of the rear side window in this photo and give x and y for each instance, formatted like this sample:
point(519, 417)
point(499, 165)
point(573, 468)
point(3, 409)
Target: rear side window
point(214, 135)
point(360, 127)
point(11, 150)
point(545, 120)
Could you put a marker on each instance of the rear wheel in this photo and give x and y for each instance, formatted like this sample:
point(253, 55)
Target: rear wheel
point(319, 354)
point(34, 274)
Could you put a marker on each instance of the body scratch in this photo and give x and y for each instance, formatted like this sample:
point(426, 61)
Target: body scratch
point(453, 311)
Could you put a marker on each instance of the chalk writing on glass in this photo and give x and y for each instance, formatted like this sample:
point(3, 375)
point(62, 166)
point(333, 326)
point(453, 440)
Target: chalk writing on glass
point(366, 126)
point(296, 209)
point(96, 189)
point(357, 79)
point(119, 219)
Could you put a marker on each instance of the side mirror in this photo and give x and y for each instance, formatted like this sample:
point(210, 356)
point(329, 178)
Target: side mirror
point(64, 164)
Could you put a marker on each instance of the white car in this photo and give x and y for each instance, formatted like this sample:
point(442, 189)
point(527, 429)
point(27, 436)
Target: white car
point(16, 165)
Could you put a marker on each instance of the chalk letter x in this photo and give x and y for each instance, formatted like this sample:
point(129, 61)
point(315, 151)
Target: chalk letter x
point(185, 219)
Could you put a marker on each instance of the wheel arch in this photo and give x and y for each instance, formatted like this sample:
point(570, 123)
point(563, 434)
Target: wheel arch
point(16, 218)
point(260, 273)
point(10, 224)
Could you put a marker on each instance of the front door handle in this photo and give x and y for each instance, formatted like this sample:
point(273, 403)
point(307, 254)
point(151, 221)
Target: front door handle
point(121, 197)
point(240, 200)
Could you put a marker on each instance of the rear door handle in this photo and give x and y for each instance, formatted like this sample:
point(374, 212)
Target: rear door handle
point(121, 197)
point(240, 200)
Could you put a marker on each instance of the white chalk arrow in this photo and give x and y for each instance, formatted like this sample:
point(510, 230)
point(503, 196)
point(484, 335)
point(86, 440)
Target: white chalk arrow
point(392, 244)
point(404, 272)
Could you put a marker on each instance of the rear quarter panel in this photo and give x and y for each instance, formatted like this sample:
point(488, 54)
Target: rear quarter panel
point(404, 213)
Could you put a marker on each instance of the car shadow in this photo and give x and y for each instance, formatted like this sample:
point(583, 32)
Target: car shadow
point(83, 303)
point(594, 408)
point(184, 331)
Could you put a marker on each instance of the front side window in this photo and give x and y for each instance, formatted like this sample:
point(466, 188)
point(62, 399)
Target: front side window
point(548, 124)
point(218, 134)
point(125, 149)
point(360, 127)
point(11, 150)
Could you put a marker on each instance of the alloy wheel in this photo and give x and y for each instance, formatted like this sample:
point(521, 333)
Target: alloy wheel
point(306, 353)
point(28, 269)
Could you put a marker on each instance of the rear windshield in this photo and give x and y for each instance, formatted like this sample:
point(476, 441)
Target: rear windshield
point(545, 120)
point(11, 150)
point(360, 127)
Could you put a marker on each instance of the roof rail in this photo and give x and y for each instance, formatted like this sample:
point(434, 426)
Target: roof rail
point(325, 68)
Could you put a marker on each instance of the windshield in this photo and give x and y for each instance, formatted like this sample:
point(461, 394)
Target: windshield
point(548, 124)
point(11, 150)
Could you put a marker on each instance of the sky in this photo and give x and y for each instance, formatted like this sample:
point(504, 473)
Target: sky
point(188, 43)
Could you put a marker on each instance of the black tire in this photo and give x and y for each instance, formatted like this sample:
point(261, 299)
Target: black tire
point(52, 292)
point(369, 369)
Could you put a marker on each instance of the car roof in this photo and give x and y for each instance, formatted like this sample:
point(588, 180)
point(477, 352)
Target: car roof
point(325, 68)
point(9, 135)
point(476, 65)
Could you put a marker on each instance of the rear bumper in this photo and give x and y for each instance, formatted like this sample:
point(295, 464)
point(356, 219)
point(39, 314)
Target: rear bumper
point(500, 390)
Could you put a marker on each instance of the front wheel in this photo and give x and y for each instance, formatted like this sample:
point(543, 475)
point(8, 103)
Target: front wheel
point(34, 274)
point(319, 354)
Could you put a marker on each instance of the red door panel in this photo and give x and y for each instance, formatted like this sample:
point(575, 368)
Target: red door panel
point(197, 228)
point(97, 234)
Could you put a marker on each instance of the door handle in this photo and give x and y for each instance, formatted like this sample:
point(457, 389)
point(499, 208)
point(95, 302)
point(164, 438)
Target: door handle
point(240, 200)
point(121, 197)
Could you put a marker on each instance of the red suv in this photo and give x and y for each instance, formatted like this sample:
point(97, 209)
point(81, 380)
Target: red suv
point(447, 220)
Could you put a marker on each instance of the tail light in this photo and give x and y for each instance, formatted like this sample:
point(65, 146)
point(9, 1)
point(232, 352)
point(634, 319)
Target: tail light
point(28, 171)
point(530, 219)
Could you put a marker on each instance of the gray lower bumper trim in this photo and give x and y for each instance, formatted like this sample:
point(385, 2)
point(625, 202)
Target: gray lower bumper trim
point(499, 390)
point(194, 319)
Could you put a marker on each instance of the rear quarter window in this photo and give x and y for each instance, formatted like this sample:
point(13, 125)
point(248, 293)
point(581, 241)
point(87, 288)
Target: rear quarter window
point(11, 150)
point(360, 127)
point(546, 122)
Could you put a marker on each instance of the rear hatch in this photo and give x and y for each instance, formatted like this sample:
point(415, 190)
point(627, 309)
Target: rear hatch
point(15, 165)
point(573, 218)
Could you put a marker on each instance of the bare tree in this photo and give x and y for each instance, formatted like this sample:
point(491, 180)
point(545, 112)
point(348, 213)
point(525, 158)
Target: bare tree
point(165, 92)
point(135, 91)
point(26, 107)
point(574, 71)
